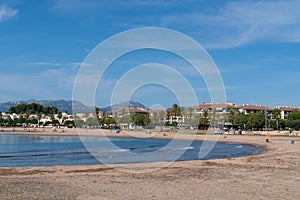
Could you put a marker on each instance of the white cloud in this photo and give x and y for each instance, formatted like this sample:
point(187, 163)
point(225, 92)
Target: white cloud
point(228, 87)
point(52, 64)
point(79, 6)
point(7, 13)
point(49, 84)
point(79, 64)
point(43, 64)
point(232, 24)
point(238, 69)
point(73, 6)
point(240, 23)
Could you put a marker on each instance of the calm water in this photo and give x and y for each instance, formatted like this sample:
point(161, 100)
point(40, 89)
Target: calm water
point(21, 150)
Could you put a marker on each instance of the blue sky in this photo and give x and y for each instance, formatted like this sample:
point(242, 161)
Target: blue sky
point(255, 44)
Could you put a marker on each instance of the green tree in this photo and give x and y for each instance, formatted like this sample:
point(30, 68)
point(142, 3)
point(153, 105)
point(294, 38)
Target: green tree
point(240, 120)
point(110, 121)
point(101, 121)
point(55, 122)
point(32, 108)
point(69, 123)
point(59, 115)
point(175, 110)
point(204, 121)
point(293, 124)
point(78, 122)
point(52, 117)
point(171, 124)
point(294, 115)
point(205, 114)
point(33, 121)
point(141, 119)
point(231, 115)
point(21, 120)
point(9, 122)
point(54, 109)
point(276, 114)
point(1, 118)
point(256, 121)
point(92, 121)
point(97, 112)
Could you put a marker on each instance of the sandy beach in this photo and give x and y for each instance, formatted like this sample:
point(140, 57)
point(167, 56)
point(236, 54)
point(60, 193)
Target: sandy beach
point(273, 174)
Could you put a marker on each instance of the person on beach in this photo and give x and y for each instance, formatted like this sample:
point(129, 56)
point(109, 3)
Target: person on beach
point(292, 141)
point(268, 138)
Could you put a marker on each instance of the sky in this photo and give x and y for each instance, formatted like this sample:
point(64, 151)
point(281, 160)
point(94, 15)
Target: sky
point(254, 44)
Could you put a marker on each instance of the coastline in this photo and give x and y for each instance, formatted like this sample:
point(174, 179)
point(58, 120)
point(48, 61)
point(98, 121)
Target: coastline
point(273, 174)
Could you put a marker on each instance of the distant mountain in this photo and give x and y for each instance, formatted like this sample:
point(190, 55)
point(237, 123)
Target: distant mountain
point(127, 104)
point(62, 105)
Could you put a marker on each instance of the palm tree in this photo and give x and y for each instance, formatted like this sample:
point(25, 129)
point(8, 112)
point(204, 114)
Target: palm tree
point(39, 119)
point(175, 110)
point(169, 114)
point(276, 114)
point(190, 113)
point(97, 112)
point(205, 115)
point(203, 120)
point(232, 114)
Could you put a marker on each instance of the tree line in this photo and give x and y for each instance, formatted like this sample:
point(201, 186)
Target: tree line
point(260, 121)
point(252, 121)
point(113, 122)
point(33, 108)
point(26, 110)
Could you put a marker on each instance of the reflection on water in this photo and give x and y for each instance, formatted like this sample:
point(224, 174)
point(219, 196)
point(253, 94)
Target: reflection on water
point(23, 150)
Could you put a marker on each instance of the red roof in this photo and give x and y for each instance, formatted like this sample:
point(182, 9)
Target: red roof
point(215, 105)
point(256, 107)
point(287, 108)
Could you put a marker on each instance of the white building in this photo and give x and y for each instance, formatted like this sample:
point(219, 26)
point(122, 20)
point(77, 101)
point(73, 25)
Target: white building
point(286, 110)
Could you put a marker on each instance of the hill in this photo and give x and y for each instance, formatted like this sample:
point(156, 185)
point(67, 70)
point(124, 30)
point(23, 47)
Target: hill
point(127, 104)
point(66, 105)
point(62, 105)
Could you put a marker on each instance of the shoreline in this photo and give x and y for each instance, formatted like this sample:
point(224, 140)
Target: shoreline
point(249, 140)
point(272, 174)
point(259, 149)
point(168, 135)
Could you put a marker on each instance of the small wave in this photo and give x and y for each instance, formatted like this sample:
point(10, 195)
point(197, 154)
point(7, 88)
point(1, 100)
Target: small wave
point(111, 151)
point(177, 149)
point(187, 148)
point(119, 150)
point(240, 146)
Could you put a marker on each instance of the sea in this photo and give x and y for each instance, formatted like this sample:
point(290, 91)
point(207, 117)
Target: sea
point(32, 150)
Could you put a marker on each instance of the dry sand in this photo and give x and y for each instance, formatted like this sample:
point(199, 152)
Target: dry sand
point(274, 174)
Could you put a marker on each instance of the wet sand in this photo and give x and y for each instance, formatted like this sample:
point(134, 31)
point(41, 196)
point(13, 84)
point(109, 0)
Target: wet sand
point(273, 174)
